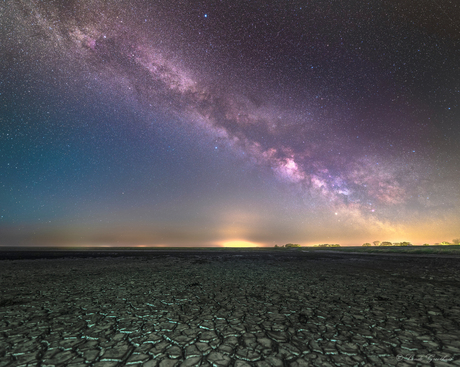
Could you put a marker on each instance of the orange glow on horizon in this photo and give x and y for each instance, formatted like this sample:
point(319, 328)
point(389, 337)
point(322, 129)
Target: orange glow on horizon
point(239, 243)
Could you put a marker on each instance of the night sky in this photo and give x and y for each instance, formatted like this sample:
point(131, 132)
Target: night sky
point(217, 123)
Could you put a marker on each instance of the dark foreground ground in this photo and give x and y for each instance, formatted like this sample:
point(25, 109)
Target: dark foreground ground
point(229, 308)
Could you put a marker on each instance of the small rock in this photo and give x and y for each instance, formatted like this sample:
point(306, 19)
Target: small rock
point(174, 352)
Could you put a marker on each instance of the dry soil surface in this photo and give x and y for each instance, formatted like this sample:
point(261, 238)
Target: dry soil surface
point(230, 309)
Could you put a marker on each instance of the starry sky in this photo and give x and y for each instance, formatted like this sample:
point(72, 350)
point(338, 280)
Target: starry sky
point(229, 123)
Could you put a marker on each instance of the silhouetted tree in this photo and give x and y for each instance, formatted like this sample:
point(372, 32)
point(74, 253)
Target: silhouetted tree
point(386, 243)
point(426, 244)
point(366, 244)
point(376, 243)
point(456, 241)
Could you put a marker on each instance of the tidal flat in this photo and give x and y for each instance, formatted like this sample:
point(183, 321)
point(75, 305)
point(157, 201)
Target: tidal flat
point(229, 308)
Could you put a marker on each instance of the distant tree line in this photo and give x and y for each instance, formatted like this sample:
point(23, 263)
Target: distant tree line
point(455, 241)
point(295, 245)
point(288, 245)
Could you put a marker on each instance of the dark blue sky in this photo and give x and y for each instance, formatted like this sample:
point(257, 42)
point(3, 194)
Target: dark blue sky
point(229, 123)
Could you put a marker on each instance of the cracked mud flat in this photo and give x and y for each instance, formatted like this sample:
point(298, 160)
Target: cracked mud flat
point(230, 309)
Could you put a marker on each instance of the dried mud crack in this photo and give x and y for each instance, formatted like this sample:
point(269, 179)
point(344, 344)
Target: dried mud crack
point(223, 309)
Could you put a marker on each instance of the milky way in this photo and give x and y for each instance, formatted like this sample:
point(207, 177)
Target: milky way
point(353, 109)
